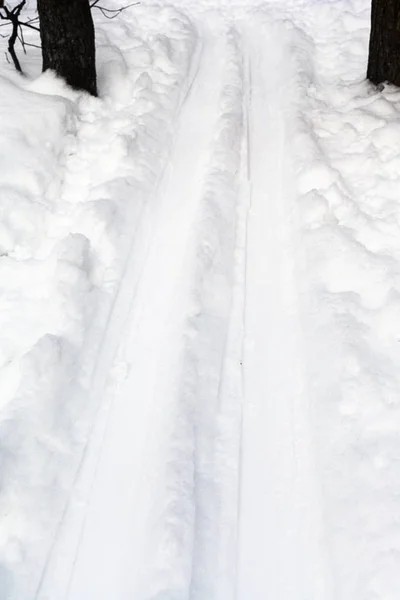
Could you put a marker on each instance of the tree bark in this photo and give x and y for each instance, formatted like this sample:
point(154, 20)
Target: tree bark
point(68, 41)
point(384, 42)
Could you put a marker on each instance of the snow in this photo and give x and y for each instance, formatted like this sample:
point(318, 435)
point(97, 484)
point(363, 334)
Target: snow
point(199, 312)
point(78, 172)
point(349, 269)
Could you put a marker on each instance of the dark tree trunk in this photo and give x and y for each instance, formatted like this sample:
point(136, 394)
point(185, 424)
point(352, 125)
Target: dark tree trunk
point(384, 42)
point(68, 44)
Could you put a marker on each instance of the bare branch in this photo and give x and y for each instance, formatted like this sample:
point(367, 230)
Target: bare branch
point(13, 17)
point(29, 25)
point(32, 45)
point(22, 39)
point(114, 12)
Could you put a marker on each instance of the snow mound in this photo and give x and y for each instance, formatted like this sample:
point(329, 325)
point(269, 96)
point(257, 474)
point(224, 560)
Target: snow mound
point(347, 152)
point(76, 175)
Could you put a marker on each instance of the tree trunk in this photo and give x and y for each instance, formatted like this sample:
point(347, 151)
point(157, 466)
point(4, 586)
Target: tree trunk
point(384, 42)
point(68, 41)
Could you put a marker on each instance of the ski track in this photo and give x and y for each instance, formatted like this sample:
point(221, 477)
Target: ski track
point(187, 488)
point(279, 538)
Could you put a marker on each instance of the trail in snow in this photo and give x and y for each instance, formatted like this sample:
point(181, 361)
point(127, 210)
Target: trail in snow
point(187, 488)
point(127, 481)
point(280, 525)
point(122, 514)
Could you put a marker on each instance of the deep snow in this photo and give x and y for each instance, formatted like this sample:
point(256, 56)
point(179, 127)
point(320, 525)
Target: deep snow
point(199, 312)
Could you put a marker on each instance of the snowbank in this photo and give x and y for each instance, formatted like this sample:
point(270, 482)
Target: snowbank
point(75, 175)
point(347, 150)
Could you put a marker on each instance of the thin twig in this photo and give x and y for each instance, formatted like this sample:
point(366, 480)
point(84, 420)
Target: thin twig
point(115, 11)
point(22, 39)
point(29, 25)
point(32, 45)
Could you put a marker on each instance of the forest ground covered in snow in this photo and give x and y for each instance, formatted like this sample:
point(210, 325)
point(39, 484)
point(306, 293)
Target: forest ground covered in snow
point(200, 312)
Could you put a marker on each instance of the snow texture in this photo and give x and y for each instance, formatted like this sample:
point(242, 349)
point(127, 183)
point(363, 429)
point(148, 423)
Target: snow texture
point(199, 312)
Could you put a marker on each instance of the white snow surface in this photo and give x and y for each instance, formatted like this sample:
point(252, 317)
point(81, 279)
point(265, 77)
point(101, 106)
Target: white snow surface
point(200, 312)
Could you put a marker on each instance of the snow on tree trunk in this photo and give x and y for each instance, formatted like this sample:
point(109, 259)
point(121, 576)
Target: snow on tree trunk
point(68, 41)
point(384, 43)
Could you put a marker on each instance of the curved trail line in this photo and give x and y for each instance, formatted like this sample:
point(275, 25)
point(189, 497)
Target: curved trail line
point(279, 522)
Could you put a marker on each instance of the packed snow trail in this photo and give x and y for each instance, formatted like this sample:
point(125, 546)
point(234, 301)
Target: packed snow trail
point(127, 478)
point(140, 466)
point(187, 488)
point(280, 525)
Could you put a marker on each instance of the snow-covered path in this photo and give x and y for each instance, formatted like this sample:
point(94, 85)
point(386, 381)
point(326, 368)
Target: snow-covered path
point(187, 487)
point(129, 475)
point(280, 522)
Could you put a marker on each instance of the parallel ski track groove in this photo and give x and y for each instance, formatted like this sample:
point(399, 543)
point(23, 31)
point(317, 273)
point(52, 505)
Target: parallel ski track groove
point(106, 348)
